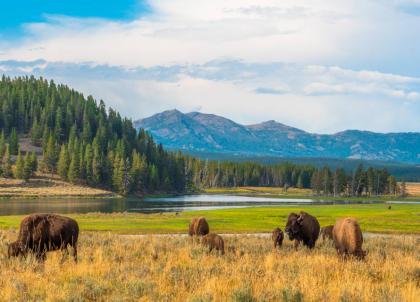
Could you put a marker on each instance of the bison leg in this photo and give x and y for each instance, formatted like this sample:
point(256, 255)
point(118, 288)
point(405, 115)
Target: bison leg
point(297, 242)
point(64, 254)
point(311, 244)
point(75, 252)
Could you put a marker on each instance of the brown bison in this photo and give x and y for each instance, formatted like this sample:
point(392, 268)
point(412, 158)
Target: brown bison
point(198, 227)
point(214, 241)
point(40, 233)
point(326, 232)
point(302, 227)
point(348, 238)
point(277, 237)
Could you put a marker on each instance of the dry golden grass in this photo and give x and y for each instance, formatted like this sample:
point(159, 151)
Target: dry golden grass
point(154, 268)
point(413, 188)
point(46, 187)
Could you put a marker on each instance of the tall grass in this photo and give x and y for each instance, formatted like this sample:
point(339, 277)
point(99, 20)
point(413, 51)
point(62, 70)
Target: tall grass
point(173, 268)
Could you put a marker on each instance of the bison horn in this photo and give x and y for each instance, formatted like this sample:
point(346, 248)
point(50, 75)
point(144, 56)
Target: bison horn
point(299, 219)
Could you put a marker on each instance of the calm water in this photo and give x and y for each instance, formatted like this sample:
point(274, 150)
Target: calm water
point(148, 205)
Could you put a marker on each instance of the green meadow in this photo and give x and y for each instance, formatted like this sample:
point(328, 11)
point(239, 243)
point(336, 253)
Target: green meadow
point(401, 218)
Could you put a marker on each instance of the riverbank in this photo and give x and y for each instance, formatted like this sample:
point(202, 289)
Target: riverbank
point(46, 187)
point(413, 190)
point(375, 218)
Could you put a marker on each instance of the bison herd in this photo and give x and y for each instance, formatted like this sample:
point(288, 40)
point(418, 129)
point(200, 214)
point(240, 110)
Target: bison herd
point(40, 233)
point(300, 228)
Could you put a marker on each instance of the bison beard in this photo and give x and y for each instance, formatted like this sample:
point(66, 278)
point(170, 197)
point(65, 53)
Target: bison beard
point(302, 227)
point(40, 233)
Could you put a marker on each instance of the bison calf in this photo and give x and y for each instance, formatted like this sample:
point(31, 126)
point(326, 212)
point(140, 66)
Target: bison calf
point(214, 241)
point(40, 233)
point(348, 238)
point(277, 237)
point(326, 232)
point(198, 227)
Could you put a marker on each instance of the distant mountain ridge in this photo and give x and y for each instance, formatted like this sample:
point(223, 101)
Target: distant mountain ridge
point(200, 132)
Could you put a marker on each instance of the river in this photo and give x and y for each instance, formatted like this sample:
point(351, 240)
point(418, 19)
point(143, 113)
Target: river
point(149, 205)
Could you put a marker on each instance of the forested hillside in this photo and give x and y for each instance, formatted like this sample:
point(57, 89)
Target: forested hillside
point(84, 142)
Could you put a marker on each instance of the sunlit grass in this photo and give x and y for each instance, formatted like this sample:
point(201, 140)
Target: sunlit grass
point(153, 268)
point(372, 218)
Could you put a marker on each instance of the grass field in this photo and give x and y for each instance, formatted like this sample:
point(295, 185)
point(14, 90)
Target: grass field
point(46, 187)
point(260, 190)
point(413, 190)
point(117, 268)
point(401, 218)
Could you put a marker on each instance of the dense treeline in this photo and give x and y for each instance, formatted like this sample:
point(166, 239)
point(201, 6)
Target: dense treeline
point(360, 182)
point(85, 143)
point(82, 140)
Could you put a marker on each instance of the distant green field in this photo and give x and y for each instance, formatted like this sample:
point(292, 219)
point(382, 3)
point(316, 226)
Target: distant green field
point(372, 218)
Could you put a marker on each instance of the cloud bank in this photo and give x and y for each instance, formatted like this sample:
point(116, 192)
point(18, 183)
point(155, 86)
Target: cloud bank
point(319, 65)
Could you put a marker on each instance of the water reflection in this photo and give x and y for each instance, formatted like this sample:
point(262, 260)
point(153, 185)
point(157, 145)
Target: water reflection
point(148, 205)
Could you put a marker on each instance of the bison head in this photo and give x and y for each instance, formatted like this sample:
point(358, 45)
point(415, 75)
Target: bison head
point(14, 249)
point(293, 226)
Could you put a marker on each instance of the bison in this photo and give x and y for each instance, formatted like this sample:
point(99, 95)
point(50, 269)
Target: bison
point(277, 237)
point(348, 238)
point(40, 233)
point(302, 227)
point(326, 232)
point(214, 241)
point(198, 227)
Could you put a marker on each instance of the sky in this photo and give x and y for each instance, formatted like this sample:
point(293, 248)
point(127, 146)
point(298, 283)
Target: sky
point(322, 66)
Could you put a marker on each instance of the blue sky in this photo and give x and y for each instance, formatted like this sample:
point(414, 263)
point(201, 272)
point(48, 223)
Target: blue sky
point(314, 64)
point(14, 14)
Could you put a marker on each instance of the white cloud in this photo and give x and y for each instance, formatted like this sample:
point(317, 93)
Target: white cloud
point(223, 57)
point(197, 31)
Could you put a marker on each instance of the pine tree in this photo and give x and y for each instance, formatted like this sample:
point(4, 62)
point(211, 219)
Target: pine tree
point(74, 173)
point(34, 162)
point(7, 164)
point(63, 162)
point(36, 133)
point(117, 174)
point(88, 162)
point(2, 144)
point(13, 142)
point(27, 167)
point(50, 155)
point(82, 166)
point(97, 164)
point(19, 166)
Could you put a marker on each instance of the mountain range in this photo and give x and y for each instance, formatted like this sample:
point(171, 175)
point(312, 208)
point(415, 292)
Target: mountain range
point(197, 132)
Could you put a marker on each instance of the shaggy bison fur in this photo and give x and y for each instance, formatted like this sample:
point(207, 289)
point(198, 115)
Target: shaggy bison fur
point(302, 227)
point(198, 227)
point(277, 237)
point(214, 241)
point(326, 232)
point(348, 238)
point(40, 233)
